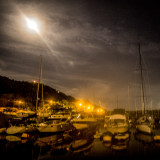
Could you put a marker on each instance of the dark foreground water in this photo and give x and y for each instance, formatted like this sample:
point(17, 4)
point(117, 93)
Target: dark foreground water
point(78, 145)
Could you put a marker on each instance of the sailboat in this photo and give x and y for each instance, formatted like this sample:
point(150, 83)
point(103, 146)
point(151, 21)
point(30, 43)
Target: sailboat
point(40, 110)
point(144, 124)
point(20, 127)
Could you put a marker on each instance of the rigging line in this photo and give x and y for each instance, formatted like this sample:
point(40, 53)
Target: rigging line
point(42, 82)
point(136, 82)
point(147, 80)
point(142, 81)
point(39, 81)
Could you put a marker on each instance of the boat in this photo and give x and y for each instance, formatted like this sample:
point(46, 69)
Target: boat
point(24, 113)
point(54, 126)
point(80, 126)
point(156, 139)
point(83, 122)
point(20, 128)
point(40, 109)
point(143, 124)
point(10, 112)
point(3, 123)
point(61, 115)
point(12, 138)
point(16, 129)
point(2, 130)
point(117, 123)
point(43, 114)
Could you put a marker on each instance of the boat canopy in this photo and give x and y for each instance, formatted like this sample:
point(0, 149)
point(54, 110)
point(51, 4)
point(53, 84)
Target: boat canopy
point(117, 116)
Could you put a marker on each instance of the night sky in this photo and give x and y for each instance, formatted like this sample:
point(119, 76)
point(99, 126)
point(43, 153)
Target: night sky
point(89, 48)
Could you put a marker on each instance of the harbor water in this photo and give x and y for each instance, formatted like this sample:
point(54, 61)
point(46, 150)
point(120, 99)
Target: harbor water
point(86, 144)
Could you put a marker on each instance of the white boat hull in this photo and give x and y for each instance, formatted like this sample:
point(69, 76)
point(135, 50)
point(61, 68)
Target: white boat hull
point(25, 114)
point(83, 123)
point(43, 115)
point(53, 128)
point(49, 129)
point(16, 130)
point(59, 117)
point(84, 120)
point(144, 128)
point(12, 138)
point(115, 129)
point(80, 126)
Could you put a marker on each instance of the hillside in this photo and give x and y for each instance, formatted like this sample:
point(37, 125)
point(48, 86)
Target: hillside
point(11, 91)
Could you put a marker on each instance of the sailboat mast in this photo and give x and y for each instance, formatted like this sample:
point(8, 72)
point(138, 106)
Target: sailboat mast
point(128, 98)
point(39, 79)
point(42, 84)
point(117, 102)
point(142, 82)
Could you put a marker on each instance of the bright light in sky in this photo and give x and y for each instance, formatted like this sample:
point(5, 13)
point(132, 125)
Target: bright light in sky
point(32, 24)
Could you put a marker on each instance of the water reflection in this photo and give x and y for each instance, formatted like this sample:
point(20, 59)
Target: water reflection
point(144, 138)
point(49, 145)
point(73, 144)
point(119, 146)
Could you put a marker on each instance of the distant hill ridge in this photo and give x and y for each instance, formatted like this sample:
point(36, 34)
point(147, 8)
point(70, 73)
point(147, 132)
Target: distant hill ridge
point(11, 90)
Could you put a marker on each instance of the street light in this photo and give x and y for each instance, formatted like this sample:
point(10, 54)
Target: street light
point(19, 103)
point(34, 81)
point(51, 102)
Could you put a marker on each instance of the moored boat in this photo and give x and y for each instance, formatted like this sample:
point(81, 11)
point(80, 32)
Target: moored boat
point(12, 138)
point(144, 124)
point(144, 128)
point(16, 130)
point(60, 116)
point(2, 130)
point(81, 122)
point(24, 113)
point(53, 126)
point(19, 129)
point(117, 124)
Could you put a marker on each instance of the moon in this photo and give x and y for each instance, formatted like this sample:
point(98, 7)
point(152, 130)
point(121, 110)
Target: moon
point(32, 25)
